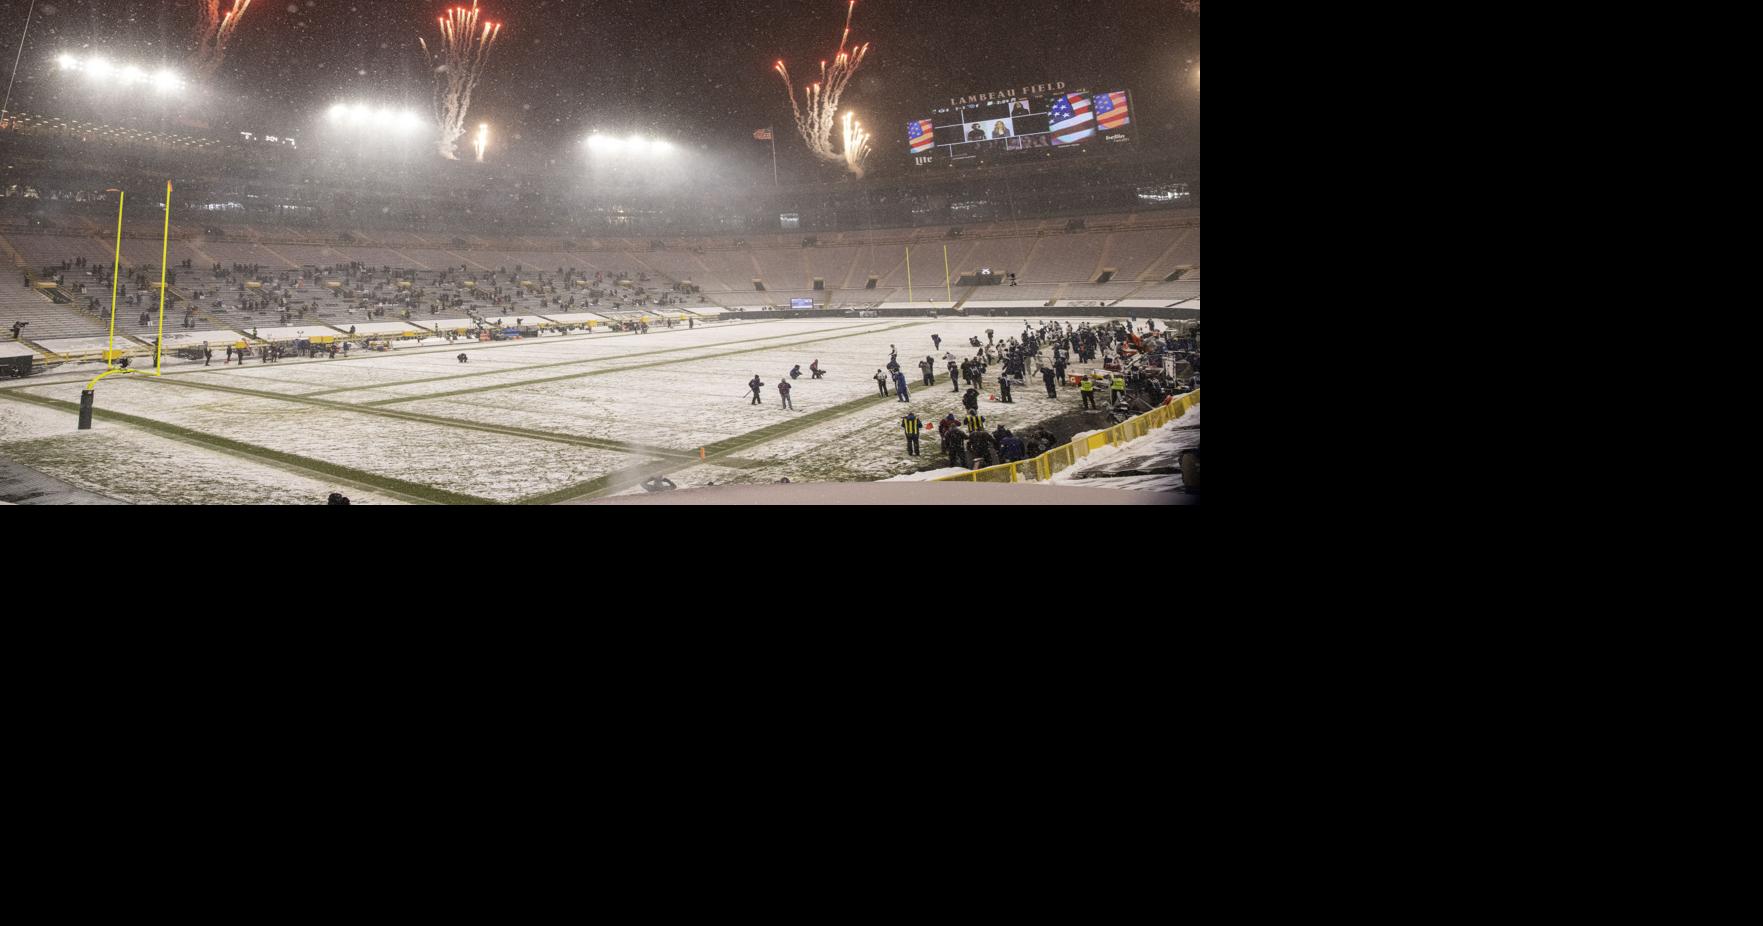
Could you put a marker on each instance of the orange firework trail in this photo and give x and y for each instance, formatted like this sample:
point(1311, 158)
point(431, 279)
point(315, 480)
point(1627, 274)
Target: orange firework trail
point(215, 31)
point(818, 113)
point(458, 65)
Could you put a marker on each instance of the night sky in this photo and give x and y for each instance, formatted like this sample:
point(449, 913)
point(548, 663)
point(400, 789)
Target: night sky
point(695, 71)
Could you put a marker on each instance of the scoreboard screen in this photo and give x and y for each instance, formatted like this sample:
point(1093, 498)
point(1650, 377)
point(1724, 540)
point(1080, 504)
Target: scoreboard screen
point(1022, 125)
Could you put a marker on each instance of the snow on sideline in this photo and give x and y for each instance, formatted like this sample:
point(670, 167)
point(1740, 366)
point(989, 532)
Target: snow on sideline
point(1189, 417)
point(1160, 439)
point(930, 475)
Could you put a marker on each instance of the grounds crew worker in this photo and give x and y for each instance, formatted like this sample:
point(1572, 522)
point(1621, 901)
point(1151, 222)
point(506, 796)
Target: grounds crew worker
point(911, 425)
point(1088, 388)
point(975, 422)
point(1117, 389)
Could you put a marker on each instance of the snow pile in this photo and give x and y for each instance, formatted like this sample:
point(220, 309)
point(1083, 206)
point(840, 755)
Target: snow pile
point(1161, 449)
point(930, 475)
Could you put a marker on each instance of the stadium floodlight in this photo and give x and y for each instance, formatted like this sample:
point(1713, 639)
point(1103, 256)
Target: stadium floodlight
point(100, 70)
point(636, 145)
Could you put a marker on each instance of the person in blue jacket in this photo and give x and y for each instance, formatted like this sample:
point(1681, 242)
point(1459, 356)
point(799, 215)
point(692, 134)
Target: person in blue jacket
point(900, 386)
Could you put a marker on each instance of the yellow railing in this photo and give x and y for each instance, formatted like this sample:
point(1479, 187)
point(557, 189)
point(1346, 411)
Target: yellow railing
point(1043, 467)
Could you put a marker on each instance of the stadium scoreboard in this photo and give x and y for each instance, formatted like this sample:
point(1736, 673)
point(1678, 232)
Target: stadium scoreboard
point(1036, 119)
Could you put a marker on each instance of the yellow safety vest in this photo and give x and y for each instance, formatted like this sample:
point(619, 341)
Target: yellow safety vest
point(1089, 385)
point(910, 424)
point(1119, 383)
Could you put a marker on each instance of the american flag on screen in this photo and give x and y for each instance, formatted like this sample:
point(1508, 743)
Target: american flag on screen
point(1072, 119)
point(763, 135)
point(1111, 110)
point(920, 135)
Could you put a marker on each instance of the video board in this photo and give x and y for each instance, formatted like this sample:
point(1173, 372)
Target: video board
point(1021, 124)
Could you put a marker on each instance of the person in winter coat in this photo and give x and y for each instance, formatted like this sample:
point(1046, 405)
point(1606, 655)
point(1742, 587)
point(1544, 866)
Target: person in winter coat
point(911, 425)
point(783, 388)
point(1047, 377)
point(881, 381)
point(982, 450)
point(900, 386)
point(936, 341)
point(815, 371)
point(1012, 449)
point(796, 371)
point(954, 377)
point(1004, 389)
point(755, 384)
point(955, 445)
point(971, 400)
point(929, 368)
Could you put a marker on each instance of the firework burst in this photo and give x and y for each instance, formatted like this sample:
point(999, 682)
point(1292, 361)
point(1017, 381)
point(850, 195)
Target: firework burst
point(817, 112)
point(214, 33)
point(856, 144)
point(458, 65)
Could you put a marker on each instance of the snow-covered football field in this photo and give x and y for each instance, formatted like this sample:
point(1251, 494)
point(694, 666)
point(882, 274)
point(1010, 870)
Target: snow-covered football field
point(530, 421)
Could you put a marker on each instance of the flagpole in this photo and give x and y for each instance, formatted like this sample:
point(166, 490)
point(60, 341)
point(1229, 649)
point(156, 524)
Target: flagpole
point(773, 133)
